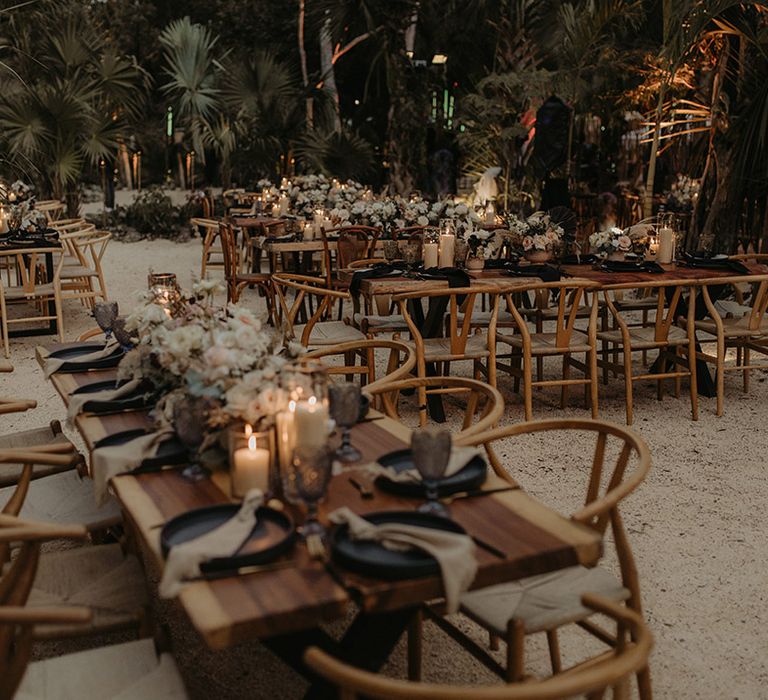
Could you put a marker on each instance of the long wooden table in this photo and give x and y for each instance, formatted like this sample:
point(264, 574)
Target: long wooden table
point(273, 604)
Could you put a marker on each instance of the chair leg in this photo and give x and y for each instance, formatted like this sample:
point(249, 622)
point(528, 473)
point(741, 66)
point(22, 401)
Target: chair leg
point(554, 651)
point(493, 641)
point(515, 651)
point(593, 388)
point(694, 381)
point(415, 640)
point(720, 379)
point(746, 371)
point(528, 388)
point(678, 357)
point(566, 376)
point(628, 384)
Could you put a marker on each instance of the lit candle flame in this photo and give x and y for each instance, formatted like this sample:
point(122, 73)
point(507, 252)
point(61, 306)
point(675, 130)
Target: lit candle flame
point(252, 442)
point(248, 430)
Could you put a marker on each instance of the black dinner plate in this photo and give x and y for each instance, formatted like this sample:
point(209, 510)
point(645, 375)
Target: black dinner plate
point(169, 452)
point(372, 558)
point(139, 399)
point(71, 354)
point(272, 535)
point(470, 477)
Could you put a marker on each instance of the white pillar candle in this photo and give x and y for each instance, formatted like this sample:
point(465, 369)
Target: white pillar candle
point(284, 202)
point(666, 251)
point(286, 434)
point(447, 249)
point(430, 255)
point(250, 469)
point(311, 423)
point(490, 214)
point(309, 231)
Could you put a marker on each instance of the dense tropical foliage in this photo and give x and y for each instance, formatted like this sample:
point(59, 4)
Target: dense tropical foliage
point(404, 94)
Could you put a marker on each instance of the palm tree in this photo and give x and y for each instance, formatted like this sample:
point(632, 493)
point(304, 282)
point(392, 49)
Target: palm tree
point(73, 102)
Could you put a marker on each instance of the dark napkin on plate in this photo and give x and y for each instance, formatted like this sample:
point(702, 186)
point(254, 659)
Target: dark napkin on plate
point(499, 264)
point(546, 273)
point(714, 264)
point(631, 266)
point(378, 271)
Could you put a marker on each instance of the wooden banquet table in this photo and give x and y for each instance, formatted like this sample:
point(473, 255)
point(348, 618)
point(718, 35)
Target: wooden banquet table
point(284, 607)
point(673, 273)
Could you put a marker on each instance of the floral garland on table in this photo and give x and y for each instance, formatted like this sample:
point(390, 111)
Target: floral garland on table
point(612, 240)
point(221, 353)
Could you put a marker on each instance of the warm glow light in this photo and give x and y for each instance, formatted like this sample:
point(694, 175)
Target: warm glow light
point(252, 442)
point(248, 430)
point(439, 59)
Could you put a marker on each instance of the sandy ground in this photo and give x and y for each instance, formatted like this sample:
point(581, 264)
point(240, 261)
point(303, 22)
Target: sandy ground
point(695, 524)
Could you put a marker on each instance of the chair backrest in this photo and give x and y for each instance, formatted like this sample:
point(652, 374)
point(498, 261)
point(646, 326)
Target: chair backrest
point(52, 208)
point(758, 303)
point(17, 622)
point(305, 288)
point(25, 262)
point(406, 360)
point(482, 397)
point(366, 262)
point(570, 296)
point(611, 670)
point(81, 244)
point(354, 243)
point(231, 259)
point(606, 486)
point(72, 225)
point(459, 327)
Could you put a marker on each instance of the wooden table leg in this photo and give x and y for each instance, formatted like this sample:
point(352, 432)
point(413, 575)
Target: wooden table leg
point(367, 644)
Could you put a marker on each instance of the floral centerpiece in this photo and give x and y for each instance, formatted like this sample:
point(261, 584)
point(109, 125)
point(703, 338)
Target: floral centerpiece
point(18, 201)
point(613, 242)
point(220, 353)
point(537, 237)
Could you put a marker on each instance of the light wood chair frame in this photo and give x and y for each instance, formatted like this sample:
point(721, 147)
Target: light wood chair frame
point(79, 247)
point(458, 328)
point(599, 511)
point(307, 289)
point(491, 410)
point(592, 678)
point(25, 263)
point(211, 228)
point(752, 338)
point(397, 368)
point(664, 319)
point(570, 294)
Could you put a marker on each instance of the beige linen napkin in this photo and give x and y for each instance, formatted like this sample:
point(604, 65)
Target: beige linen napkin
point(76, 401)
point(460, 458)
point(454, 553)
point(107, 462)
point(53, 363)
point(184, 560)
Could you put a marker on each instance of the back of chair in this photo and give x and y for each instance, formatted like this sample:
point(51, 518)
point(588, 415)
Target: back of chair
point(231, 259)
point(611, 670)
point(458, 327)
point(26, 263)
point(81, 245)
point(758, 304)
point(305, 288)
point(354, 243)
point(52, 208)
point(72, 225)
point(570, 296)
point(16, 622)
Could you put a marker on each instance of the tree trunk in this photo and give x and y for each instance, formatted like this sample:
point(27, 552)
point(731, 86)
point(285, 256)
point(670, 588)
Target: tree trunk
point(328, 72)
point(303, 61)
point(721, 226)
point(651, 175)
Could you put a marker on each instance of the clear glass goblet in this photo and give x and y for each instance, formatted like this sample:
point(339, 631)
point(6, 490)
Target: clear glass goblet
point(190, 421)
point(431, 452)
point(105, 314)
point(345, 410)
point(312, 468)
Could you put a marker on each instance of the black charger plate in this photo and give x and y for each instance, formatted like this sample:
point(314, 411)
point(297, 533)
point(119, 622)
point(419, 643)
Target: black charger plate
point(272, 535)
point(169, 452)
point(471, 477)
point(373, 559)
point(71, 354)
point(139, 399)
